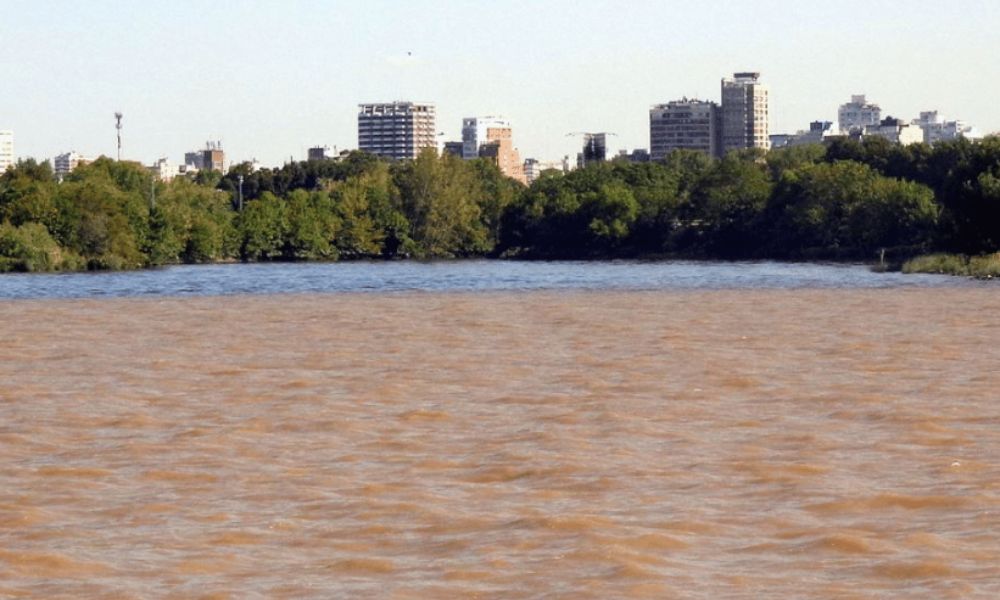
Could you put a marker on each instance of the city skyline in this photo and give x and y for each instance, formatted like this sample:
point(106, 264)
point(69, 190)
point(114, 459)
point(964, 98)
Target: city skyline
point(295, 76)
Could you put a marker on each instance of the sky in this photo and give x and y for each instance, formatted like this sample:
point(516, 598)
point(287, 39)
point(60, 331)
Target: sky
point(269, 79)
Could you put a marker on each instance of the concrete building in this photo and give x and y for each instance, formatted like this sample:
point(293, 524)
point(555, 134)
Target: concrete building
point(856, 115)
point(937, 129)
point(453, 148)
point(895, 131)
point(212, 157)
point(684, 125)
point(595, 149)
point(818, 132)
point(64, 164)
point(7, 157)
point(397, 130)
point(493, 138)
point(744, 113)
point(164, 170)
point(194, 160)
point(533, 167)
point(320, 153)
point(475, 133)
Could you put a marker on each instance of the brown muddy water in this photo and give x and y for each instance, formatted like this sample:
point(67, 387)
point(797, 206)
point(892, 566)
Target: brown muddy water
point(728, 444)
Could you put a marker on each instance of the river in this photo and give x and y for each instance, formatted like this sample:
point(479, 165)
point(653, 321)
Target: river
point(811, 432)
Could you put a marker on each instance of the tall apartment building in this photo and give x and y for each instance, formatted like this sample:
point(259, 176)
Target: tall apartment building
point(744, 113)
point(64, 164)
point(6, 150)
point(397, 130)
point(595, 149)
point(858, 114)
point(475, 133)
point(684, 125)
point(492, 137)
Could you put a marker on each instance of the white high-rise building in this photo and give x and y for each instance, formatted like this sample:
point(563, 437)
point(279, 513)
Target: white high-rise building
point(397, 130)
point(858, 114)
point(7, 158)
point(744, 113)
point(475, 133)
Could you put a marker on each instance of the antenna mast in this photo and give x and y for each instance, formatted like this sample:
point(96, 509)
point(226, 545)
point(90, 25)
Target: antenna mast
point(118, 126)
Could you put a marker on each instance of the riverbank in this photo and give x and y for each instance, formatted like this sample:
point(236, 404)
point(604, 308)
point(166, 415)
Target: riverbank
point(979, 267)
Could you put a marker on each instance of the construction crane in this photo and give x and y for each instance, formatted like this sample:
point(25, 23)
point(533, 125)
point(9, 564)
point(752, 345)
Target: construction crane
point(591, 151)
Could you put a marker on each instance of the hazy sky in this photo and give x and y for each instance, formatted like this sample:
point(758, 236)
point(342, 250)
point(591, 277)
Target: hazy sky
point(269, 79)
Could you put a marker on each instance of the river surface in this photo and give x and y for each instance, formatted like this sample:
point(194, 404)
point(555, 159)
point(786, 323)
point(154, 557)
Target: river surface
point(452, 276)
point(782, 441)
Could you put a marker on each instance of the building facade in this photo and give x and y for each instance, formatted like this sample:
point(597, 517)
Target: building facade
point(212, 157)
point(937, 129)
point(595, 149)
point(896, 131)
point(475, 133)
point(684, 125)
point(64, 164)
point(858, 114)
point(397, 130)
point(319, 153)
point(745, 113)
point(7, 158)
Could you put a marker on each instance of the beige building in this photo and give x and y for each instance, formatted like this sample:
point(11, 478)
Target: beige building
point(744, 113)
point(7, 158)
point(397, 130)
point(493, 138)
point(684, 125)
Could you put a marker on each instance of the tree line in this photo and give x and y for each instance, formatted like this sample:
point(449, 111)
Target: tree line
point(846, 200)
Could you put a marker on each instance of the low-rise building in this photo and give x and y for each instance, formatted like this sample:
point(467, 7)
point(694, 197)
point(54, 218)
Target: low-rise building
point(896, 131)
point(164, 170)
point(320, 153)
point(937, 129)
point(66, 163)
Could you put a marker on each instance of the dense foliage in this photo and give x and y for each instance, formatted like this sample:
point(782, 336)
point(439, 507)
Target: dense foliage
point(848, 200)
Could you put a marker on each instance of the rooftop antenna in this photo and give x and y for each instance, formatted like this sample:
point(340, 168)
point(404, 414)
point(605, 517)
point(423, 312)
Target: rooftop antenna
point(118, 126)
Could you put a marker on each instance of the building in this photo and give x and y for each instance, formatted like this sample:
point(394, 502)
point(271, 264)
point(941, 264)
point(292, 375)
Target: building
point(320, 153)
point(818, 132)
point(212, 157)
point(493, 138)
point(684, 125)
point(397, 130)
point(164, 170)
point(937, 129)
point(475, 133)
point(533, 168)
point(7, 158)
point(194, 160)
point(454, 148)
point(595, 149)
point(858, 114)
point(64, 164)
point(744, 113)
point(896, 131)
